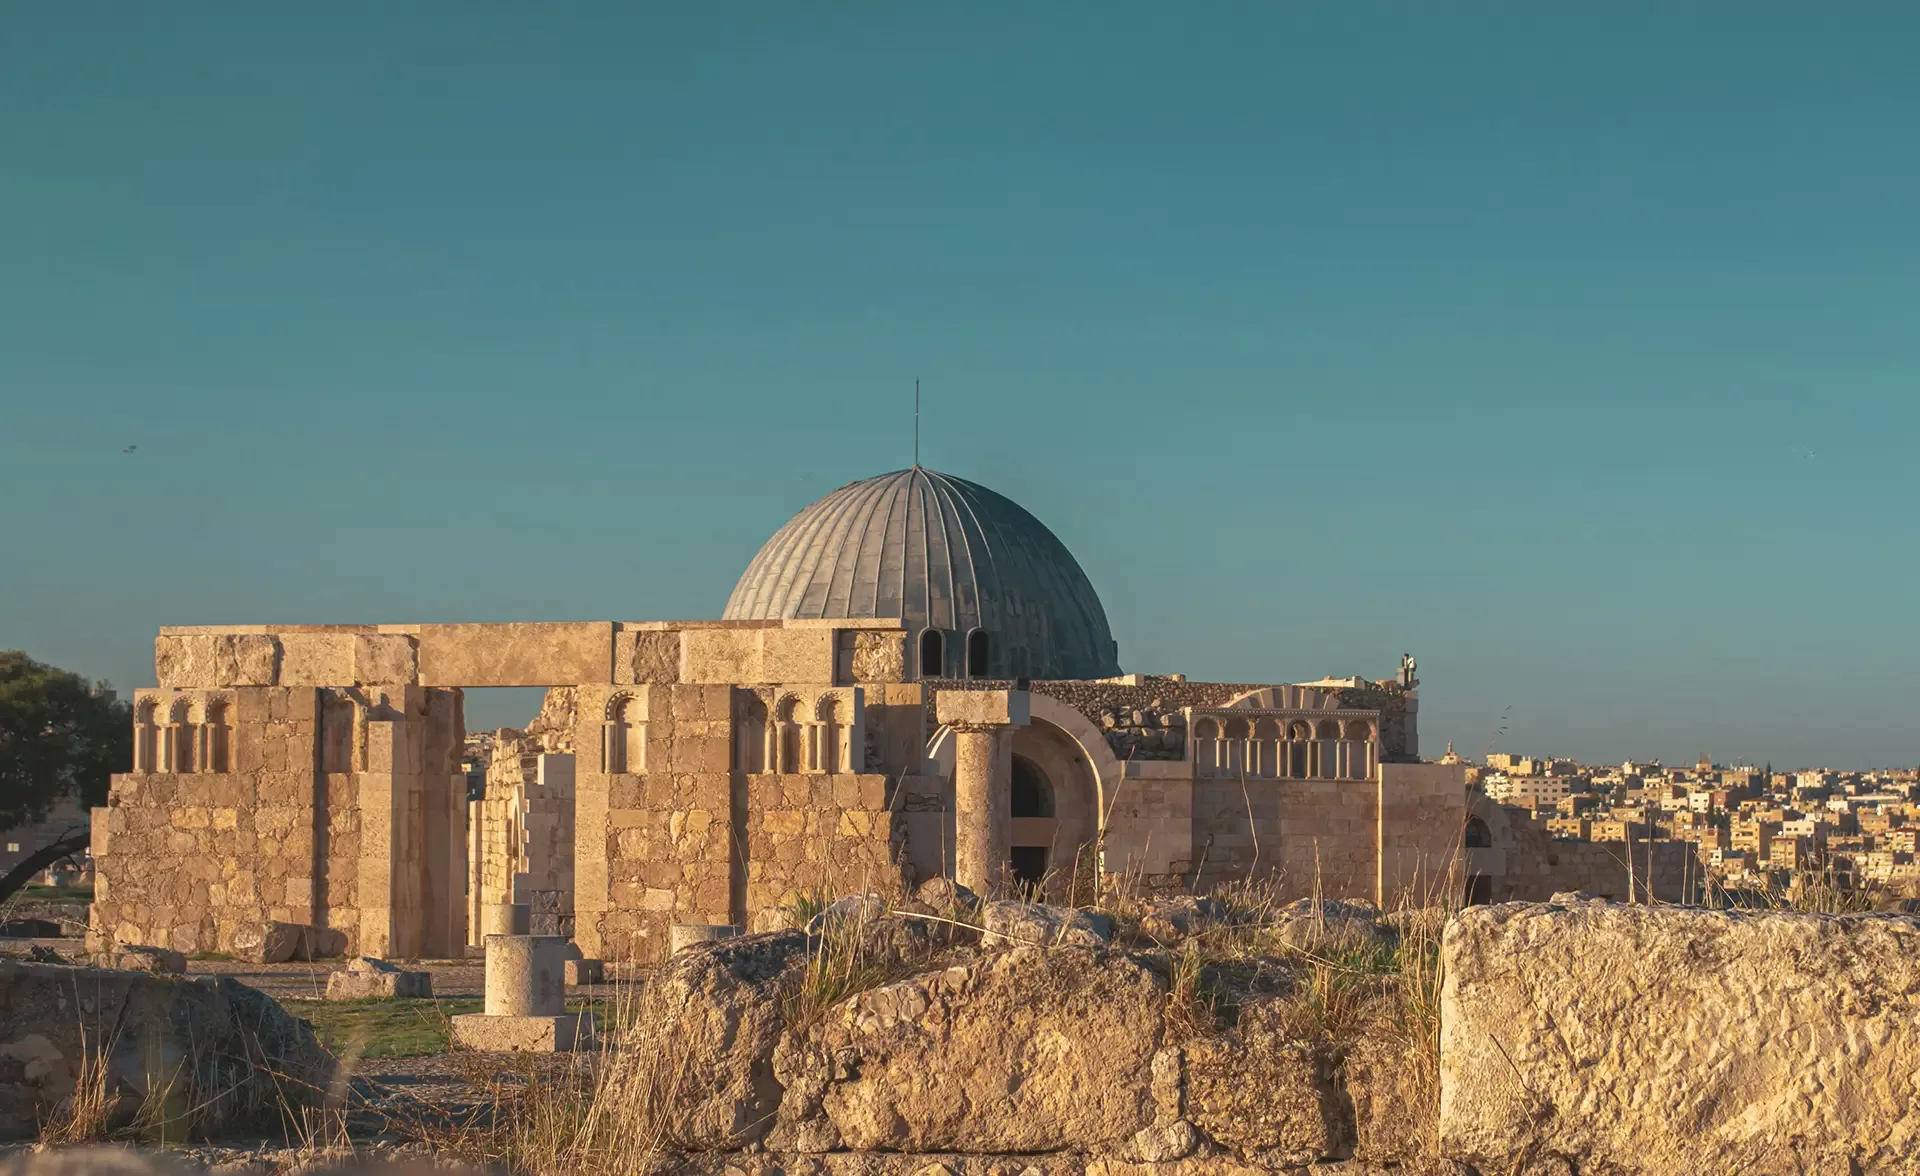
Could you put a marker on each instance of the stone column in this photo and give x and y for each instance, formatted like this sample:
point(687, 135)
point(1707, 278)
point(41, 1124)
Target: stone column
point(982, 722)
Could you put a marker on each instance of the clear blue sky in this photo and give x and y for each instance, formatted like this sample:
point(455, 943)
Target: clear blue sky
point(1571, 348)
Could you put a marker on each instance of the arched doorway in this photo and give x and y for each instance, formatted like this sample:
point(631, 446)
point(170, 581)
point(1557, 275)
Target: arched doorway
point(1034, 824)
point(1054, 809)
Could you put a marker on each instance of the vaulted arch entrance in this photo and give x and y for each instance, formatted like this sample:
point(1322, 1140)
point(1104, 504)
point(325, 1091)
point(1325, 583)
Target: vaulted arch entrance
point(1055, 813)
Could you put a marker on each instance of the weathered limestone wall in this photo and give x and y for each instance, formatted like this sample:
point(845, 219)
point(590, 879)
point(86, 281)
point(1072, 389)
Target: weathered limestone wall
point(1526, 863)
point(185, 856)
point(337, 809)
point(1421, 811)
point(1636, 1039)
point(816, 835)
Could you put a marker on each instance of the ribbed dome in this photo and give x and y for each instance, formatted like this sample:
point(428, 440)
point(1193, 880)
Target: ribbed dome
point(942, 554)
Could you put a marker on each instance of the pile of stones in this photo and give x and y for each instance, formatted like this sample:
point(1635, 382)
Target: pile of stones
point(1152, 732)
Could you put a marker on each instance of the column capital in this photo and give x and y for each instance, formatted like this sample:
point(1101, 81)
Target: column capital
point(983, 709)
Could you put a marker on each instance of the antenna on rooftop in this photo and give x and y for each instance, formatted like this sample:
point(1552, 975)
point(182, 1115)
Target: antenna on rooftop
point(916, 424)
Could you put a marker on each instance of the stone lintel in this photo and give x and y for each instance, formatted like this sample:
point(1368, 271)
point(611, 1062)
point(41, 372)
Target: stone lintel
point(984, 708)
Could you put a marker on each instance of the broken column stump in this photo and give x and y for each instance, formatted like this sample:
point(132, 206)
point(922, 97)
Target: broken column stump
point(526, 1000)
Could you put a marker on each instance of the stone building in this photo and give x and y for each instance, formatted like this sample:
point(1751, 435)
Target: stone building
point(913, 678)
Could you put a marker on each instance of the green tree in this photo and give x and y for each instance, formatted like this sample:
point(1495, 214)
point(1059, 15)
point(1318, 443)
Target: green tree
point(60, 735)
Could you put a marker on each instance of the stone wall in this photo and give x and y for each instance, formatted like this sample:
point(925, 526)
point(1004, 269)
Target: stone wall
point(814, 836)
point(333, 808)
point(1634, 1039)
point(1525, 862)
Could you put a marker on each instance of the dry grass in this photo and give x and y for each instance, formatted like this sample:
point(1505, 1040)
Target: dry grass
point(85, 1117)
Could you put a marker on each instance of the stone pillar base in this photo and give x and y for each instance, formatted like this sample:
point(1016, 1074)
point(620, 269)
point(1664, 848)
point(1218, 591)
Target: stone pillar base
point(562, 1034)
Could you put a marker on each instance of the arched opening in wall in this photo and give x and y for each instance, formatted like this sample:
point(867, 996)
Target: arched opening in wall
point(1479, 890)
point(750, 737)
point(1299, 746)
point(831, 736)
point(1054, 806)
point(933, 649)
point(786, 735)
point(1032, 791)
point(1326, 750)
point(1206, 747)
point(1477, 836)
point(1233, 747)
point(1265, 758)
point(143, 736)
point(216, 739)
point(179, 740)
point(977, 654)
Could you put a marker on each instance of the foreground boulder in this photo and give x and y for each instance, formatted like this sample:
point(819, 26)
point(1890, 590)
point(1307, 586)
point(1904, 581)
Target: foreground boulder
point(207, 1054)
point(1028, 924)
point(697, 1069)
point(1029, 1050)
point(1262, 1092)
point(1628, 1039)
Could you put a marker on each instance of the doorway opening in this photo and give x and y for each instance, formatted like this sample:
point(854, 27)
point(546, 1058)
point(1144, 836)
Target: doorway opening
point(1029, 869)
point(518, 760)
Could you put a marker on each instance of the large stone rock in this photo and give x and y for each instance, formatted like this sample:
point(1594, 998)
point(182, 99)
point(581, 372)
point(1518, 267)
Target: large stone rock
point(365, 978)
point(223, 1055)
point(1025, 1051)
point(139, 958)
point(1258, 1092)
point(698, 1066)
point(1027, 924)
point(1667, 1040)
point(269, 942)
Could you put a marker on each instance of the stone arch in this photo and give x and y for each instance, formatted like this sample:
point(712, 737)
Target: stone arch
point(750, 735)
point(1359, 729)
point(933, 653)
point(829, 734)
point(623, 745)
point(1327, 729)
point(177, 746)
point(214, 750)
point(1055, 804)
point(788, 714)
point(977, 651)
point(145, 731)
point(1477, 835)
point(1266, 748)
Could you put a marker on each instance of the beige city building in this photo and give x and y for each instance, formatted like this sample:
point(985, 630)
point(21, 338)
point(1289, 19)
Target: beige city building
point(913, 678)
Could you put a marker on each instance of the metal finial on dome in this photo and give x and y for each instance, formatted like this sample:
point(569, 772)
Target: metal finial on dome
point(944, 555)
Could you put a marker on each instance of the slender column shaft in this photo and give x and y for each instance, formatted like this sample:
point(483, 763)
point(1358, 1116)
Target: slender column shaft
point(983, 806)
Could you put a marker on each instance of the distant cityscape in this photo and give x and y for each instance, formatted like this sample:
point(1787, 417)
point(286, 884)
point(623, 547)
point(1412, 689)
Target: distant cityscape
point(1752, 828)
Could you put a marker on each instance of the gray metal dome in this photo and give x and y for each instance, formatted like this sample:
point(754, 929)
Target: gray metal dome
point(948, 557)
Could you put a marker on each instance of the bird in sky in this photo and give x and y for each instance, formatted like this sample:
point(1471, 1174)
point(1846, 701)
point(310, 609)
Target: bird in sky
point(130, 449)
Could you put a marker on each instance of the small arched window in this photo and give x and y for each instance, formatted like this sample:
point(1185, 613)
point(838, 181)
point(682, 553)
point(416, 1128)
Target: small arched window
point(977, 654)
point(933, 654)
point(1478, 835)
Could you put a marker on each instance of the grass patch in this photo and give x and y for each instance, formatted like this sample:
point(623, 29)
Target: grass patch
point(384, 1028)
point(406, 1028)
point(40, 892)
